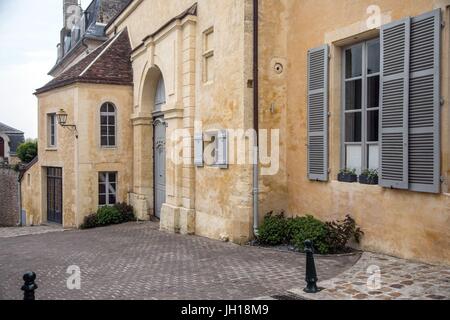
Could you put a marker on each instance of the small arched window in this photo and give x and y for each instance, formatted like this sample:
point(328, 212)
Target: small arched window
point(108, 125)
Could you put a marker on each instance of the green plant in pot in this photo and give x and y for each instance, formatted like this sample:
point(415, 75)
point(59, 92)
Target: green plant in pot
point(369, 176)
point(347, 175)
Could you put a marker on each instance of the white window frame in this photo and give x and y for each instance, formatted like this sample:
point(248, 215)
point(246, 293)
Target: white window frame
point(52, 131)
point(364, 107)
point(109, 190)
point(108, 136)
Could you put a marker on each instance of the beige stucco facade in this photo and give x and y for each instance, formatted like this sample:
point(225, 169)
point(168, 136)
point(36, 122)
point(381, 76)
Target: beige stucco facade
point(80, 158)
point(401, 223)
point(217, 202)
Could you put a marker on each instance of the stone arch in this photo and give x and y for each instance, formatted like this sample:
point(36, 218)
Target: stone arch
point(149, 87)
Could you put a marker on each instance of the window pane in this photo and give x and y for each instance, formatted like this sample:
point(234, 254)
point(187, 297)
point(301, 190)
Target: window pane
point(112, 177)
point(373, 92)
point(353, 127)
point(353, 158)
point(373, 156)
point(111, 120)
point(104, 108)
point(373, 59)
point(112, 199)
point(103, 120)
point(112, 141)
point(101, 200)
point(104, 130)
point(112, 130)
point(353, 93)
point(111, 108)
point(372, 125)
point(104, 141)
point(101, 188)
point(353, 62)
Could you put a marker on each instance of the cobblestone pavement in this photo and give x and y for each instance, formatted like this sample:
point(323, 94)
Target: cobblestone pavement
point(400, 280)
point(137, 261)
point(26, 231)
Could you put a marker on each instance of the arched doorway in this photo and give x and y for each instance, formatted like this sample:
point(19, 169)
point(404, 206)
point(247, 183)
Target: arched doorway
point(2, 148)
point(159, 147)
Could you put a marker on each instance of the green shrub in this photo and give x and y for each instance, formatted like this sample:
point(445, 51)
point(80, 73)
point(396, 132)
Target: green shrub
point(89, 222)
point(108, 215)
point(27, 151)
point(339, 233)
point(126, 212)
point(329, 237)
point(309, 228)
point(273, 230)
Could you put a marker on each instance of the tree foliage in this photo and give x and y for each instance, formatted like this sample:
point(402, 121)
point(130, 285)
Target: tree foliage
point(27, 151)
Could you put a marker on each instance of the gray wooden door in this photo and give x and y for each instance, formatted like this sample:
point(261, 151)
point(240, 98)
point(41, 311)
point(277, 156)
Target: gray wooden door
point(159, 150)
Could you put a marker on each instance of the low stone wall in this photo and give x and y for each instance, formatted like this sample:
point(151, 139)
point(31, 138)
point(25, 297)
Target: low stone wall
point(9, 197)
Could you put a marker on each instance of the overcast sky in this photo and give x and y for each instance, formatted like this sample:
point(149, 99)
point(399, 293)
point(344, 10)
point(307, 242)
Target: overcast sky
point(29, 32)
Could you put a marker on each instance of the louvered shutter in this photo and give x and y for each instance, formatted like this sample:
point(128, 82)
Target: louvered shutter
point(318, 114)
point(222, 149)
point(198, 149)
point(424, 103)
point(394, 87)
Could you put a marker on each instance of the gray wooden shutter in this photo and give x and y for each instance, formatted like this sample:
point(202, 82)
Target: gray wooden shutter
point(222, 149)
point(198, 149)
point(424, 103)
point(394, 87)
point(318, 114)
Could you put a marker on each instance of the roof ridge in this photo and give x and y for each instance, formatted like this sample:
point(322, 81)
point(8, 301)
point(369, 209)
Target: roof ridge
point(8, 129)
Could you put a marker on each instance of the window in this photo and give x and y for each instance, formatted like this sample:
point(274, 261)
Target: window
point(361, 105)
point(208, 55)
point(107, 188)
point(51, 130)
point(108, 125)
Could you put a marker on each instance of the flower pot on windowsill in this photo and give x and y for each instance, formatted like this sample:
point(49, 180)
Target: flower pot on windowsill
point(347, 177)
point(372, 180)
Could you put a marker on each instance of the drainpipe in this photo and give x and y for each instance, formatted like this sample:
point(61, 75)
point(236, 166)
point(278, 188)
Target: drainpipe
point(255, 118)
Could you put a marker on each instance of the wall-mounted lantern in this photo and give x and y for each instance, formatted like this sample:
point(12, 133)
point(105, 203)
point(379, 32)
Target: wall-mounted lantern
point(62, 120)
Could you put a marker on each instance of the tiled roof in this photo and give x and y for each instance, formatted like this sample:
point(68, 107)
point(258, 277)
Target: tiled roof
point(8, 129)
point(108, 64)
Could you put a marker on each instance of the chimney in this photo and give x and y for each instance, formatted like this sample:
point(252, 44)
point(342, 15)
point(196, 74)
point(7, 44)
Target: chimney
point(70, 14)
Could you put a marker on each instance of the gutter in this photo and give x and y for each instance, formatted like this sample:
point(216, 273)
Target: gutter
point(256, 117)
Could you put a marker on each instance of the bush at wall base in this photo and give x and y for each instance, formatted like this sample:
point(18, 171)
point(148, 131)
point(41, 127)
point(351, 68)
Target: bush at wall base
point(105, 216)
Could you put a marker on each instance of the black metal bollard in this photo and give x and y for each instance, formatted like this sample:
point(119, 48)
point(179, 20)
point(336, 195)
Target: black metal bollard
point(29, 286)
point(311, 274)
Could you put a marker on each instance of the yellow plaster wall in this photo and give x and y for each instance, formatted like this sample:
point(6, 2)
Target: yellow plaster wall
point(64, 155)
point(221, 198)
point(83, 158)
point(92, 158)
point(31, 197)
point(402, 223)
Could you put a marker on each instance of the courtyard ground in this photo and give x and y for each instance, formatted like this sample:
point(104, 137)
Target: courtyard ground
point(137, 261)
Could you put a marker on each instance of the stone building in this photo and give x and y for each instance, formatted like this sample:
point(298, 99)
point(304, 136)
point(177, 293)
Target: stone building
point(10, 139)
point(162, 108)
